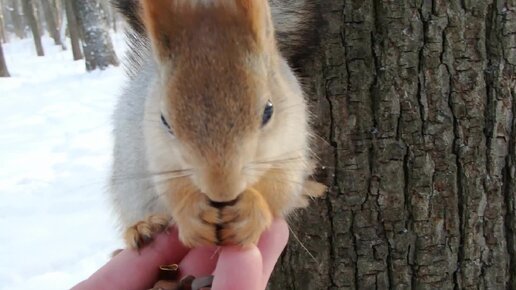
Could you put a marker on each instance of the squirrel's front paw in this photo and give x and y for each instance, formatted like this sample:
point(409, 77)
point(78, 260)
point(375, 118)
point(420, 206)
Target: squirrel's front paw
point(197, 222)
point(244, 222)
point(143, 232)
point(240, 223)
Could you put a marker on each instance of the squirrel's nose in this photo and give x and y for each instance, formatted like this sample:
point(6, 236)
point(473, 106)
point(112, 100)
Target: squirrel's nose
point(222, 187)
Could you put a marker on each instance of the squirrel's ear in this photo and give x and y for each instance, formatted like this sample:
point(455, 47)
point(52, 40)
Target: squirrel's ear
point(257, 14)
point(157, 20)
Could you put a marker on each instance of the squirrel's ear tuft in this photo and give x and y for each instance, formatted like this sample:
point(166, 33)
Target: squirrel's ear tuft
point(257, 15)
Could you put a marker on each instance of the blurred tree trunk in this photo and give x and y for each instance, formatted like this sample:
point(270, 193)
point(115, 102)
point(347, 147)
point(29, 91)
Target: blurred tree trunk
point(51, 19)
point(3, 32)
point(416, 101)
point(40, 16)
point(28, 10)
point(110, 14)
point(61, 21)
point(73, 29)
point(3, 66)
point(96, 44)
point(17, 17)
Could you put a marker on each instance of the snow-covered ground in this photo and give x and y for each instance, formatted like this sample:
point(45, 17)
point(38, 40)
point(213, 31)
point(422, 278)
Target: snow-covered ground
point(56, 226)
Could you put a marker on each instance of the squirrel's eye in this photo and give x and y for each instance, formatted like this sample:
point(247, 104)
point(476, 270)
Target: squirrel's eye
point(267, 113)
point(165, 123)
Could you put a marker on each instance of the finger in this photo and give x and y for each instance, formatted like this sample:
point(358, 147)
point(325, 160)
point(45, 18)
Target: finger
point(238, 269)
point(271, 245)
point(199, 262)
point(131, 269)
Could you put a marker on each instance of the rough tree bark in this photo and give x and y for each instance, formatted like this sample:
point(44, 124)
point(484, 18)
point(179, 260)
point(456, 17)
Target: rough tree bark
point(3, 66)
point(416, 101)
point(97, 45)
point(28, 11)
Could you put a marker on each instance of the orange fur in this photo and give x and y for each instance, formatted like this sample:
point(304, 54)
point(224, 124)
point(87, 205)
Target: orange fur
point(216, 89)
point(191, 213)
point(199, 223)
point(143, 231)
point(243, 223)
point(170, 23)
point(218, 65)
point(257, 16)
point(239, 224)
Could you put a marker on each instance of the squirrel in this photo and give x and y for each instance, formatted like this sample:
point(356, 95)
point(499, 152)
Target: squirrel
point(212, 132)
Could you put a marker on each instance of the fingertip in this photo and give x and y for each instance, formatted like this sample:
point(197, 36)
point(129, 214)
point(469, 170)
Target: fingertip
point(242, 254)
point(199, 262)
point(238, 269)
point(168, 246)
point(277, 234)
point(271, 245)
point(132, 269)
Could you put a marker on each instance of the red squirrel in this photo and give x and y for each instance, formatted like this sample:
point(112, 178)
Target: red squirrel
point(212, 132)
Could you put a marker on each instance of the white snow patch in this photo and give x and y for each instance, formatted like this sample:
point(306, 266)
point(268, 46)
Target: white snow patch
point(55, 150)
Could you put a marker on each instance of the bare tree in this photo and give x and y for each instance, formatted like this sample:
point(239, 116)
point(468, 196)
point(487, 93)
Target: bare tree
point(28, 10)
point(51, 20)
point(416, 102)
point(97, 45)
point(3, 33)
point(61, 21)
point(73, 29)
point(40, 16)
point(3, 66)
point(17, 17)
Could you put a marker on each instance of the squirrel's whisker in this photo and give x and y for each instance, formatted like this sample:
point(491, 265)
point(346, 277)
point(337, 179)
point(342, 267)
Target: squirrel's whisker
point(179, 173)
point(276, 179)
point(276, 160)
point(302, 245)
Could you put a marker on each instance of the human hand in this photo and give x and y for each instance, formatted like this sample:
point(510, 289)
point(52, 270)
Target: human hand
point(232, 266)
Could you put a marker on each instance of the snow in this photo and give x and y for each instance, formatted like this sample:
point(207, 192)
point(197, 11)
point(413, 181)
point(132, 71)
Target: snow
point(55, 148)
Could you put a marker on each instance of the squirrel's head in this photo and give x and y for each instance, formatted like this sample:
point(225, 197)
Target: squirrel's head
point(219, 89)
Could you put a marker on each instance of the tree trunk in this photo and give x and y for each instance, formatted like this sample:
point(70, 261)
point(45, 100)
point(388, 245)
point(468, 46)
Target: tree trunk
point(416, 102)
point(51, 20)
point(40, 16)
point(61, 21)
point(3, 66)
point(110, 14)
point(28, 10)
point(97, 45)
point(73, 29)
point(17, 18)
point(3, 32)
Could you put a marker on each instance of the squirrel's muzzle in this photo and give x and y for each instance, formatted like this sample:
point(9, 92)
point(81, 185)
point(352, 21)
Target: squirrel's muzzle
point(222, 186)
